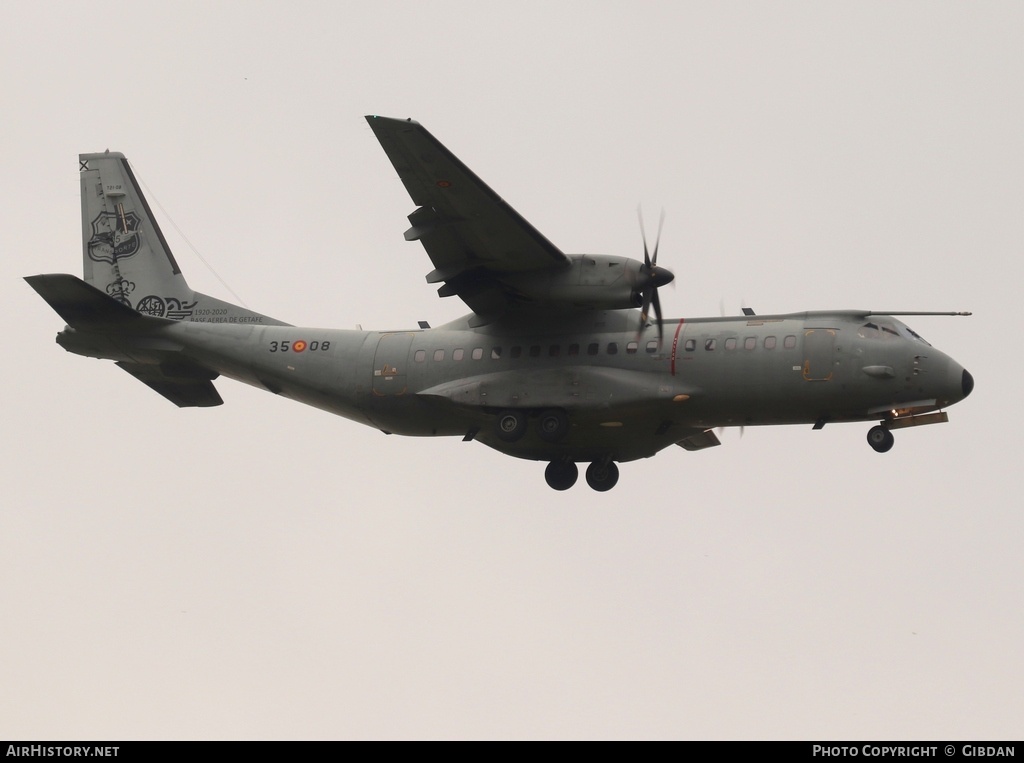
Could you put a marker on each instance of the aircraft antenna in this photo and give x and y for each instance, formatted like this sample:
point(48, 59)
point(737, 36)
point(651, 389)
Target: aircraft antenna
point(151, 195)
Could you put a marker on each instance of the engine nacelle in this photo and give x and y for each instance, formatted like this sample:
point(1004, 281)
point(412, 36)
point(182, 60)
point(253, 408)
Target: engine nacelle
point(592, 281)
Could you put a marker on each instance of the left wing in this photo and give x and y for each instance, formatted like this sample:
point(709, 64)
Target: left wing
point(479, 245)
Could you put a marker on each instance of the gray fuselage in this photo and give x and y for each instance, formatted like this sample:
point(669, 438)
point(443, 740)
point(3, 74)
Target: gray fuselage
point(626, 395)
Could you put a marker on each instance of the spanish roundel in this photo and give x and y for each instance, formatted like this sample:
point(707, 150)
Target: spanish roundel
point(299, 345)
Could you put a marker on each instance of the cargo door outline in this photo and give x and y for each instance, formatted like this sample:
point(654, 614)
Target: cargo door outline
point(819, 354)
point(390, 363)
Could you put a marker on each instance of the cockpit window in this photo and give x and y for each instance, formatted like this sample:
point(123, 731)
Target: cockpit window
point(889, 330)
point(914, 334)
point(877, 330)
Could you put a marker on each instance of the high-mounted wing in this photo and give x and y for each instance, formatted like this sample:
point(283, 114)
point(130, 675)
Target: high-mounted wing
point(479, 245)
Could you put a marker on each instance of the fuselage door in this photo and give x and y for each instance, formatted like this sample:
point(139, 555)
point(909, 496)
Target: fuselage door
point(389, 364)
point(819, 354)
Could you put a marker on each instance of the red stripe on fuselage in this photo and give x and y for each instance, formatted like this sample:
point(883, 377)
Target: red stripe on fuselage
point(675, 344)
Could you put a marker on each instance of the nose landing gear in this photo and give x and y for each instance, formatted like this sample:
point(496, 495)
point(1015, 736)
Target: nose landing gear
point(880, 438)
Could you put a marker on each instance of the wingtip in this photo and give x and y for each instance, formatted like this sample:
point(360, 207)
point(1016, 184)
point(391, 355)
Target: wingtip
point(108, 154)
point(371, 118)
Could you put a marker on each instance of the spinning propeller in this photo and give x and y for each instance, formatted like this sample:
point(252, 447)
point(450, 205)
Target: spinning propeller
point(651, 276)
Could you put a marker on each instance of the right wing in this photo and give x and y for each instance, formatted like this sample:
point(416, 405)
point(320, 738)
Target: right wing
point(471, 235)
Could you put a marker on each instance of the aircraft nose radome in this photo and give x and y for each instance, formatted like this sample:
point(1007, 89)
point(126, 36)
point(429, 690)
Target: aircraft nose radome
point(967, 383)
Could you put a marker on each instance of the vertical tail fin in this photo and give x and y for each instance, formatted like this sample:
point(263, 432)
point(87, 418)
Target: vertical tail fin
point(126, 256)
point(124, 252)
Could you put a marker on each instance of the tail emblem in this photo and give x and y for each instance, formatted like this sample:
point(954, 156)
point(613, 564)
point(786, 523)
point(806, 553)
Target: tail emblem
point(120, 289)
point(168, 307)
point(115, 236)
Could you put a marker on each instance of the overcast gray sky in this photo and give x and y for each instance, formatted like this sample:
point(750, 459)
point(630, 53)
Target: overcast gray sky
point(264, 570)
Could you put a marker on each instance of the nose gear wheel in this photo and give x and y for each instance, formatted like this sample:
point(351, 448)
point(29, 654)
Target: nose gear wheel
point(880, 439)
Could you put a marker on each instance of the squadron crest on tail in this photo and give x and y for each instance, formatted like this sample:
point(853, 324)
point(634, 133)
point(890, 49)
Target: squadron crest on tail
point(115, 236)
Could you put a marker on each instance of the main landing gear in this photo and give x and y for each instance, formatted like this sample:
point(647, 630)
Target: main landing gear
point(601, 475)
point(880, 438)
point(561, 475)
point(552, 424)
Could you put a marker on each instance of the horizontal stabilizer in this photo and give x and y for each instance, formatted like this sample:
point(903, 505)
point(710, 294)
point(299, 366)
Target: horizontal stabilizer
point(84, 306)
point(185, 385)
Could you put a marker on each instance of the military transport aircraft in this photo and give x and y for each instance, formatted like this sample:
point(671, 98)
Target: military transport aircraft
point(561, 359)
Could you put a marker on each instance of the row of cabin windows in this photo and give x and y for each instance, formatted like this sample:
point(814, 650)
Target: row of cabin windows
point(749, 343)
point(535, 351)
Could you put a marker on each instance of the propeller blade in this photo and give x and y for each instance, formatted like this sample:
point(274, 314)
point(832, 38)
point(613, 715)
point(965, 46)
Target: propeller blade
point(657, 311)
point(643, 234)
point(646, 306)
point(652, 275)
point(657, 241)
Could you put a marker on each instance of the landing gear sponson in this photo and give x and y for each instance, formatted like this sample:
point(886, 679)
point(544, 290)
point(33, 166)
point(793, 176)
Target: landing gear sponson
point(552, 424)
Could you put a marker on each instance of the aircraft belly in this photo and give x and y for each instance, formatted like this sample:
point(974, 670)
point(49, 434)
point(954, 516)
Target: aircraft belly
point(625, 437)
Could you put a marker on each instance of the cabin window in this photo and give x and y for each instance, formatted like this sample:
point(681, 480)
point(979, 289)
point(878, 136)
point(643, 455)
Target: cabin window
point(495, 353)
point(478, 352)
point(652, 346)
point(593, 348)
point(690, 345)
point(458, 354)
point(749, 343)
point(534, 350)
point(709, 344)
point(769, 343)
point(613, 348)
point(554, 350)
point(438, 355)
point(789, 342)
point(516, 351)
point(730, 343)
point(631, 348)
point(574, 349)
point(420, 356)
